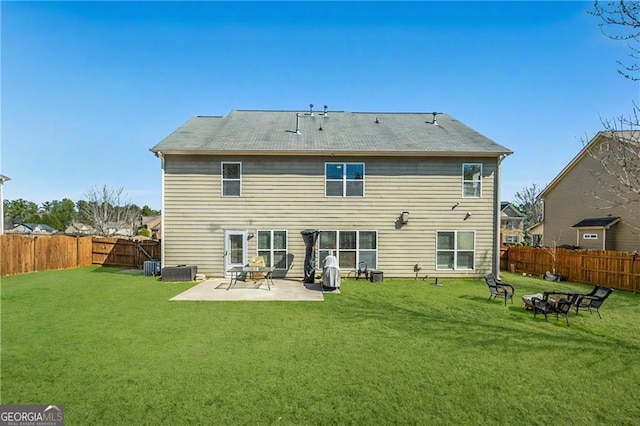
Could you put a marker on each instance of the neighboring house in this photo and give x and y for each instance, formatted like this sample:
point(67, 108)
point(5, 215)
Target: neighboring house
point(32, 229)
point(511, 224)
point(118, 230)
point(3, 179)
point(581, 209)
point(79, 228)
point(536, 232)
point(390, 189)
point(153, 224)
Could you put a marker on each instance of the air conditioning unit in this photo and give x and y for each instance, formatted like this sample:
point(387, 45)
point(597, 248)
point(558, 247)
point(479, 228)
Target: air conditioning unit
point(152, 267)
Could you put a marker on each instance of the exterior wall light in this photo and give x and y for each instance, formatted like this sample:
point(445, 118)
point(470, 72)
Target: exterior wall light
point(404, 218)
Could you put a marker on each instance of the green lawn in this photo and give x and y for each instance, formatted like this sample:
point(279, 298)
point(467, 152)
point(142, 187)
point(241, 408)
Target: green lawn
point(113, 349)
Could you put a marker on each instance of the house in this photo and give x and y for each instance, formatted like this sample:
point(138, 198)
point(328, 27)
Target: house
point(153, 224)
point(3, 179)
point(389, 189)
point(79, 228)
point(583, 209)
point(536, 232)
point(511, 224)
point(32, 229)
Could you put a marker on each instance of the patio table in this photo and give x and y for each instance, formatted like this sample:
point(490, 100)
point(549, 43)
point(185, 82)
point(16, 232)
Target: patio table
point(237, 271)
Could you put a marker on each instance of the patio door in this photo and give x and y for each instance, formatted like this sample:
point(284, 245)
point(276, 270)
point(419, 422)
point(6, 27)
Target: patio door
point(235, 249)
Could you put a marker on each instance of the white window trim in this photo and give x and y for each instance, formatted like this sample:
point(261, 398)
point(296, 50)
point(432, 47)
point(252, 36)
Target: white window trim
point(271, 250)
point(589, 236)
point(472, 181)
point(357, 249)
point(223, 179)
point(345, 180)
point(455, 249)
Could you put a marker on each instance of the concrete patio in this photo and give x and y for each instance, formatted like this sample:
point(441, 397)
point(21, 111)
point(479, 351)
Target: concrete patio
point(215, 289)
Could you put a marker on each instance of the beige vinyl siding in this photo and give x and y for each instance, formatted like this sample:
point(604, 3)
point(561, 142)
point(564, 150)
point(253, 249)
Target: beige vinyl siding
point(287, 193)
point(579, 195)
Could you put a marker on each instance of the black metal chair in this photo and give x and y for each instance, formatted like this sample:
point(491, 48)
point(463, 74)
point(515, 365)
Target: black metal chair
point(554, 303)
point(593, 300)
point(362, 269)
point(499, 289)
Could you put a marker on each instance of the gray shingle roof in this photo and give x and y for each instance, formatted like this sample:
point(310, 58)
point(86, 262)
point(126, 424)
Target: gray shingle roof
point(604, 222)
point(338, 132)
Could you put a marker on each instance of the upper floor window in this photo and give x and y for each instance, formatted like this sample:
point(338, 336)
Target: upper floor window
point(344, 179)
point(472, 180)
point(231, 174)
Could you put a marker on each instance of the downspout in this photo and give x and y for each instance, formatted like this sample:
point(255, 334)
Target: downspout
point(162, 209)
point(496, 203)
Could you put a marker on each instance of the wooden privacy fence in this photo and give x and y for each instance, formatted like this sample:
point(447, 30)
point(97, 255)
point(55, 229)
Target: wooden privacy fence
point(23, 253)
point(121, 252)
point(616, 269)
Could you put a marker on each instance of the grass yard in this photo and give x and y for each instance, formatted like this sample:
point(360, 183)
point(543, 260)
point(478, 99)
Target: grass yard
point(112, 349)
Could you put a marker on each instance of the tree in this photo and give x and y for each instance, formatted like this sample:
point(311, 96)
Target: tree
point(148, 211)
point(619, 152)
point(65, 211)
point(108, 210)
point(529, 205)
point(21, 211)
point(620, 20)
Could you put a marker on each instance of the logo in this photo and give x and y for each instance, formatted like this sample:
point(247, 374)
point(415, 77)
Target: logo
point(31, 415)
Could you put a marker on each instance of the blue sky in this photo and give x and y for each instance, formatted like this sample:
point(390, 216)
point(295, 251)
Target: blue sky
point(88, 88)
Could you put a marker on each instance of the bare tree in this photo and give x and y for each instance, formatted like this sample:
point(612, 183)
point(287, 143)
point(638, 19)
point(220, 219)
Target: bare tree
point(618, 150)
point(620, 20)
point(108, 210)
point(529, 205)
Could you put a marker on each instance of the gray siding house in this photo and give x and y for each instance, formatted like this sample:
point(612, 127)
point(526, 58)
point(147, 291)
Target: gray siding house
point(582, 208)
point(389, 189)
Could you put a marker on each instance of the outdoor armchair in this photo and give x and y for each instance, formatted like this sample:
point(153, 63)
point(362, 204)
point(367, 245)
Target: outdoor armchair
point(499, 289)
point(554, 303)
point(593, 300)
point(362, 270)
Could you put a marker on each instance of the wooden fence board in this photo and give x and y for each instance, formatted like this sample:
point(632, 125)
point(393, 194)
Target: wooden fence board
point(620, 270)
point(23, 253)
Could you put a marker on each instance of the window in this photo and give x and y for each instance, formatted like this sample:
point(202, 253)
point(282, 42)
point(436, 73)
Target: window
point(590, 236)
point(350, 247)
point(272, 246)
point(231, 173)
point(513, 239)
point(472, 180)
point(455, 249)
point(344, 179)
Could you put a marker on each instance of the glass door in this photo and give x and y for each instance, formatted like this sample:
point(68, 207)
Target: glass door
point(235, 249)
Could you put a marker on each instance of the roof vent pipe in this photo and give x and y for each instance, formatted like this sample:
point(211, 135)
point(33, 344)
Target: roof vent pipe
point(311, 109)
point(435, 123)
point(325, 110)
point(297, 123)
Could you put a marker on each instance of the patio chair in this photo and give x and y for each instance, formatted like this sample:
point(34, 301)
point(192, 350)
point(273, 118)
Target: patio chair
point(257, 261)
point(499, 289)
point(593, 300)
point(554, 303)
point(362, 269)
